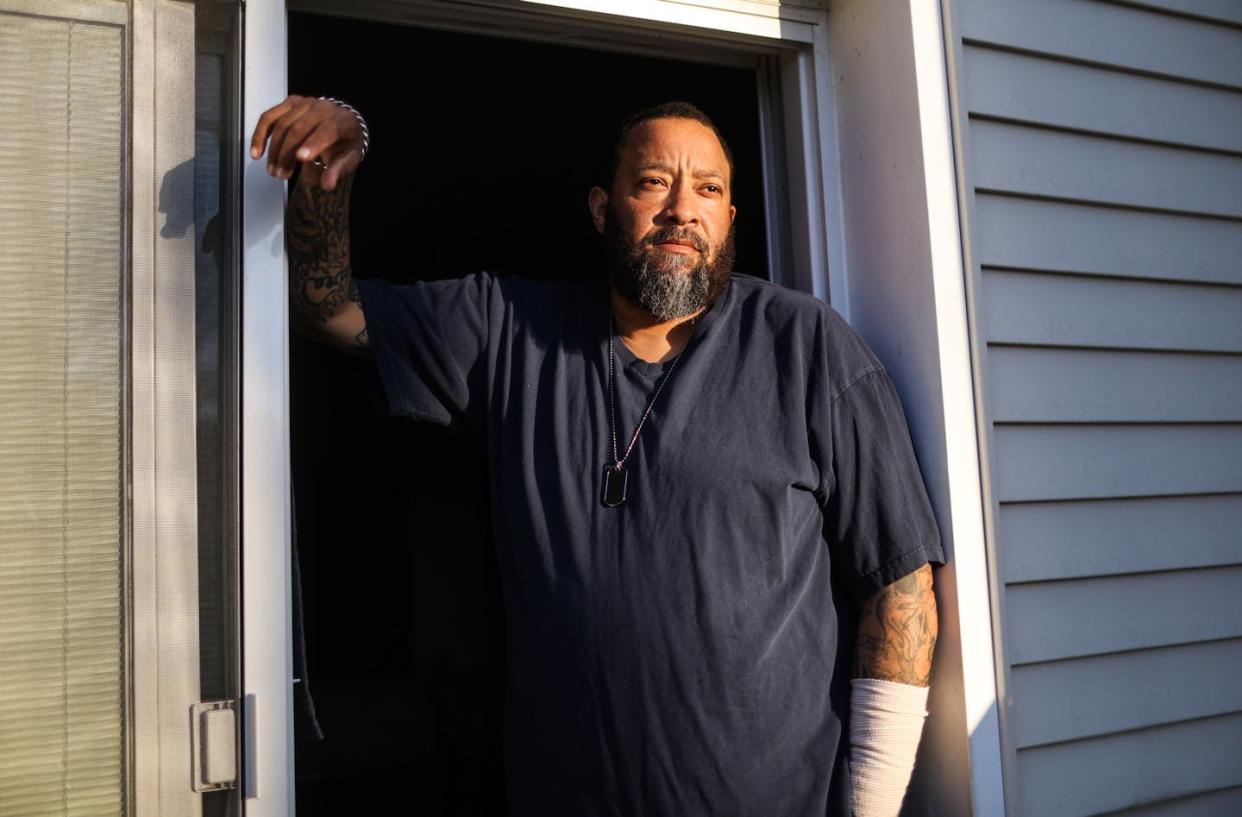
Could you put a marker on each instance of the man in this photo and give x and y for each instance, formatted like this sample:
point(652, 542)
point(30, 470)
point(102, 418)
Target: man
point(708, 515)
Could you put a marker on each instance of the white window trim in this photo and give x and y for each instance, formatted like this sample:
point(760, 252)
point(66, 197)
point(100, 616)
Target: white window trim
point(750, 19)
point(868, 152)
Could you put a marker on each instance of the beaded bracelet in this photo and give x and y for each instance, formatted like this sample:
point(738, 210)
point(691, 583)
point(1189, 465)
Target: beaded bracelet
point(362, 123)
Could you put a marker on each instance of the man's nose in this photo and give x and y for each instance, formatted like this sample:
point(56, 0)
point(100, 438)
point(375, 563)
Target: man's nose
point(680, 207)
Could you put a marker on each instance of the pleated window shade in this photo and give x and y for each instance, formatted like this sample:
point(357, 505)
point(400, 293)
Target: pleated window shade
point(61, 431)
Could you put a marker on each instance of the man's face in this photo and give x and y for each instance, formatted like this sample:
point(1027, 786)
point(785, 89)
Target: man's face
point(668, 220)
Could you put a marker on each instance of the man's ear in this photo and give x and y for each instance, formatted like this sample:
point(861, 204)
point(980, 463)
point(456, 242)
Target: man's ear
point(597, 201)
point(732, 213)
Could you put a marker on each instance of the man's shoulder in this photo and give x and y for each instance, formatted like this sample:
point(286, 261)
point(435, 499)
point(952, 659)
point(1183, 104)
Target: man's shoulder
point(805, 319)
point(807, 329)
point(759, 296)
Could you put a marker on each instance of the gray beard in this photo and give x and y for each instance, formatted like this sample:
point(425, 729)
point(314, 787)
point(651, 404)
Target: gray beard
point(669, 292)
point(668, 286)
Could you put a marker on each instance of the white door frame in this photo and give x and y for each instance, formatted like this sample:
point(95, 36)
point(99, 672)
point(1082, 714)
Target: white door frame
point(905, 277)
point(267, 590)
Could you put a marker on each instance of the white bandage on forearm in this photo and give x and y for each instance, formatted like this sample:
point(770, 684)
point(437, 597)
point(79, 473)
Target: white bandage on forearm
point(886, 720)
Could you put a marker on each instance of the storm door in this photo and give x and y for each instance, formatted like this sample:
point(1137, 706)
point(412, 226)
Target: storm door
point(118, 512)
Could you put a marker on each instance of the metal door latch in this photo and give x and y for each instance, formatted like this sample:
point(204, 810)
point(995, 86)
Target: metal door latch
point(213, 731)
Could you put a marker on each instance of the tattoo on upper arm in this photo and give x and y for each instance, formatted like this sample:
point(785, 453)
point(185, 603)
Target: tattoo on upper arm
point(897, 631)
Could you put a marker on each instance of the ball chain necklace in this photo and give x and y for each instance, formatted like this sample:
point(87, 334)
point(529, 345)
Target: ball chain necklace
point(615, 475)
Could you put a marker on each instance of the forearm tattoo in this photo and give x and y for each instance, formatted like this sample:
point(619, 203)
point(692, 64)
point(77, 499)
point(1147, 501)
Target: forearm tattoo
point(317, 232)
point(897, 631)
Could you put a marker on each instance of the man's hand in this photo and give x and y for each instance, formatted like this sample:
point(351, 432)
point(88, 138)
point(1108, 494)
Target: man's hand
point(897, 631)
point(324, 301)
point(303, 129)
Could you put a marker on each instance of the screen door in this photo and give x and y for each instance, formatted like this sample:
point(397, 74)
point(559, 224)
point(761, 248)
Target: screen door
point(118, 290)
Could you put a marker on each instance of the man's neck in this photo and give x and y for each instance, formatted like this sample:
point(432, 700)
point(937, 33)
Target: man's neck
point(648, 337)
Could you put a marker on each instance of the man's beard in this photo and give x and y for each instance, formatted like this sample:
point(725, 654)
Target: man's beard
point(667, 285)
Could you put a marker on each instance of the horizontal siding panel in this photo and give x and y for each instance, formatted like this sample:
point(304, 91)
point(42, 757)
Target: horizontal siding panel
point(1049, 92)
point(1065, 540)
point(1229, 11)
point(1065, 310)
point(1103, 694)
point(1035, 463)
point(1030, 384)
point(1127, 770)
point(1039, 162)
point(1108, 34)
point(1219, 803)
point(1105, 152)
point(1056, 620)
point(1060, 236)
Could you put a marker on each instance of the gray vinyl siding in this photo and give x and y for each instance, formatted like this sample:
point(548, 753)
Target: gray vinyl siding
point(1103, 155)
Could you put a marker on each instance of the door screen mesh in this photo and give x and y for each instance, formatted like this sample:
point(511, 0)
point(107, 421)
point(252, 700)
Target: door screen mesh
point(61, 433)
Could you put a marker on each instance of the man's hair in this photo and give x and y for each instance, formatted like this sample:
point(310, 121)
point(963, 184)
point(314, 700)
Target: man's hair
point(675, 109)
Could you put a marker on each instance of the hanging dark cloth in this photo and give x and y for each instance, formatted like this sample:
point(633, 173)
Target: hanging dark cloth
point(304, 702)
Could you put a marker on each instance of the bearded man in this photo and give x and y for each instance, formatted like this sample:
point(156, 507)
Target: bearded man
point(707, 512)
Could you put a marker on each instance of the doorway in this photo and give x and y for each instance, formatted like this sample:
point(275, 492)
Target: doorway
point(483, 150)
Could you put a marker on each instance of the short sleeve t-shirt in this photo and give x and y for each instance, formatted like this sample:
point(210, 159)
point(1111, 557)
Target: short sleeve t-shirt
point(688, 652)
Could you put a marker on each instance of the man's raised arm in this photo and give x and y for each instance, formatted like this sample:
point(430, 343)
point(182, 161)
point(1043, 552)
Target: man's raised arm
point(892, 670)
point(323, 300)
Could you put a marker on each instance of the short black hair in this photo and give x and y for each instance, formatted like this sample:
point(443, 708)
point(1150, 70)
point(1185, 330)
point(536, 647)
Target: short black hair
point(673, 109)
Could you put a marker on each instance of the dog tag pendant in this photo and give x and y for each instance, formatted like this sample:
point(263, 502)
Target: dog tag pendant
point(614, 485)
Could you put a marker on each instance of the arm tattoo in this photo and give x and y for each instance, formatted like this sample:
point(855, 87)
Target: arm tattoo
point(897, 631)
point(320, 278)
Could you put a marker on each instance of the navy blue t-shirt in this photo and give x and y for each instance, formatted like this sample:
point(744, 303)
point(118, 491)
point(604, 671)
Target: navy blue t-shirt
point(688, 652)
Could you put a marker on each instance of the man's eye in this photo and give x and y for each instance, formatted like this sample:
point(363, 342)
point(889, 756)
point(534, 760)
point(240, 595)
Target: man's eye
point(712, 188)
point(652, 182)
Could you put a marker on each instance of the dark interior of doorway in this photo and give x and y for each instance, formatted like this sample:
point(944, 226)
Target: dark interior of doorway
point(483, 150)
